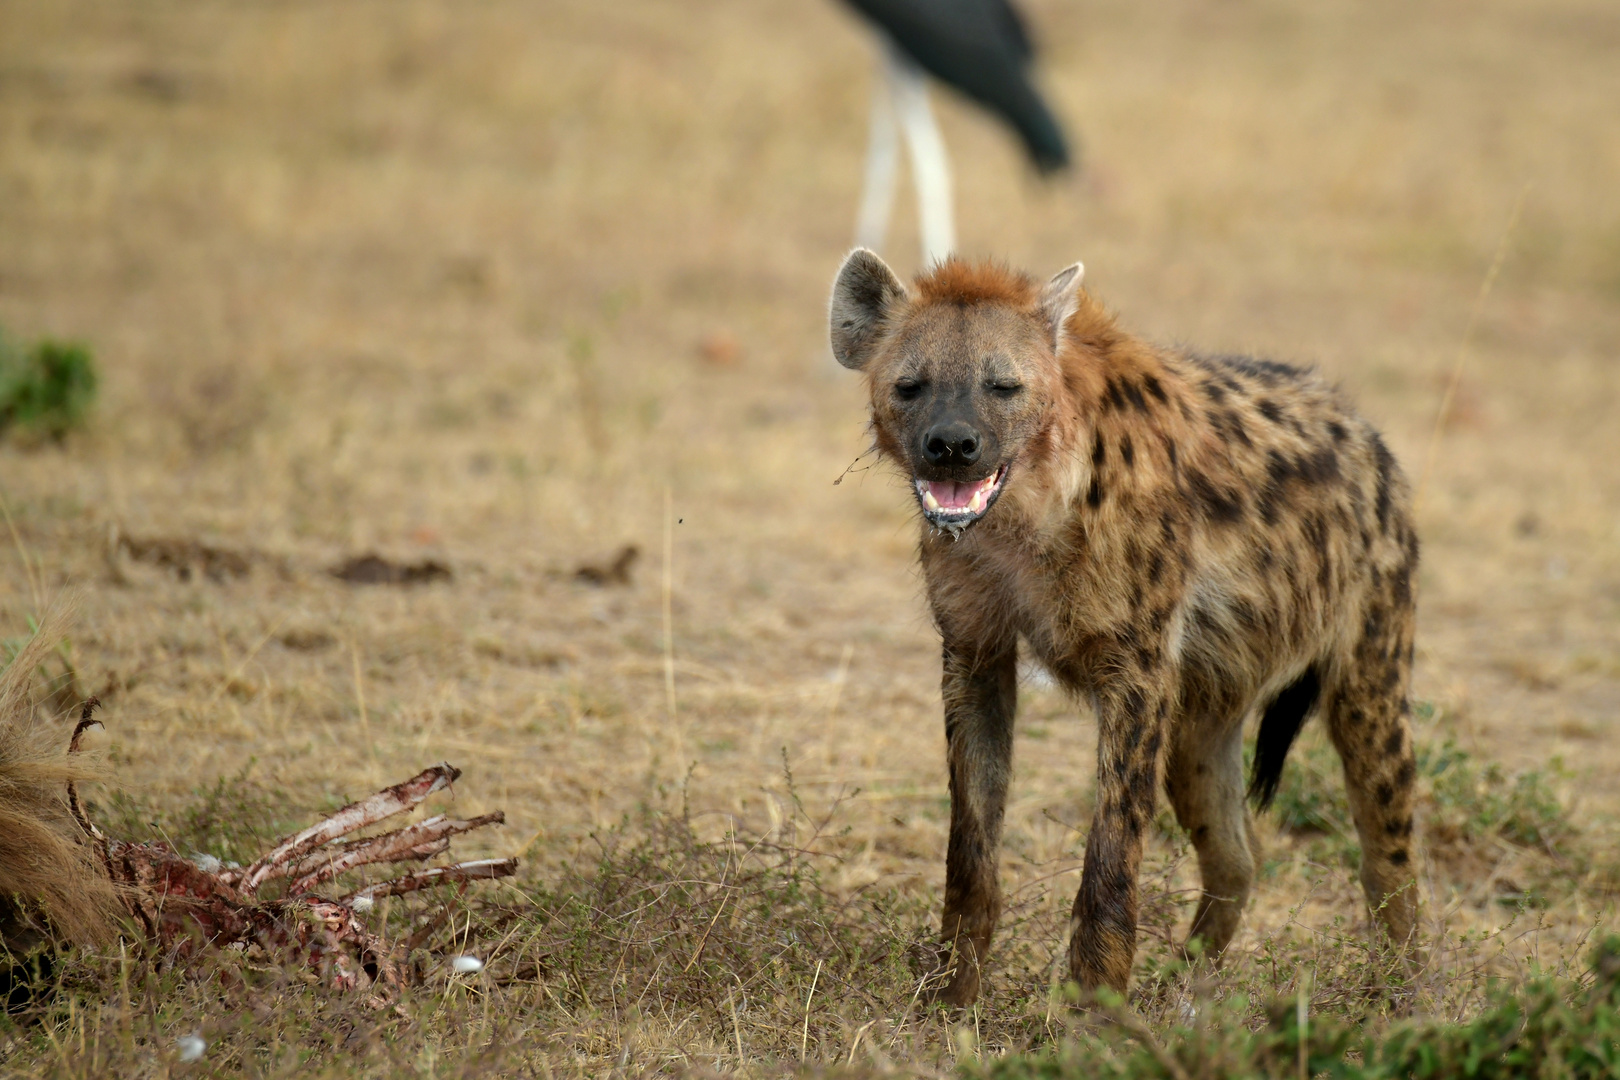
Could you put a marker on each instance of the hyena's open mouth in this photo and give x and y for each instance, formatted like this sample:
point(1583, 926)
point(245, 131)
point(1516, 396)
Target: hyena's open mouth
point(954, 505)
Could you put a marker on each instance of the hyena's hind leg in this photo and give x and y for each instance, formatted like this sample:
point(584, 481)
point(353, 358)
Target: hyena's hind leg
point(1369, 721)
point(1204, 779)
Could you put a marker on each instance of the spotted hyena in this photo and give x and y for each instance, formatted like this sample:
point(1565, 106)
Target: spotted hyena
point(1182, 540)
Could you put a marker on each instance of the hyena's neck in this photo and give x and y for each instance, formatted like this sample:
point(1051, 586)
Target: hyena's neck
point(1122, 426)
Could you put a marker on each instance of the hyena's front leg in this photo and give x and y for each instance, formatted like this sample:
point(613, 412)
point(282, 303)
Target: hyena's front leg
point(1132, 720)
point(980, 688)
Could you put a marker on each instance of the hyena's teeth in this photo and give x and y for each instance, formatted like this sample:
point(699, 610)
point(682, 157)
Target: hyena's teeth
point(929, 500)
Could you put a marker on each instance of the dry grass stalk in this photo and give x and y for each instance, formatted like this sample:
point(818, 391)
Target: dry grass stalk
point(1443, 414)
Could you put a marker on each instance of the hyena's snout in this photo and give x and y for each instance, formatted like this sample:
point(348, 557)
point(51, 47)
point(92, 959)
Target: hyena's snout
point(959, 470)
point(952, 443)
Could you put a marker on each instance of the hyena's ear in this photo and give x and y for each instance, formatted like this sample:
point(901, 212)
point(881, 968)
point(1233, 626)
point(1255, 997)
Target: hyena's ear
point(864, 297)
point(1060, 297)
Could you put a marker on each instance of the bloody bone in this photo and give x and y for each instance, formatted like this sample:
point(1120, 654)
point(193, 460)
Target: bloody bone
point(412, 842)
point(357, 815)
point(477, 870)
point(180, 904)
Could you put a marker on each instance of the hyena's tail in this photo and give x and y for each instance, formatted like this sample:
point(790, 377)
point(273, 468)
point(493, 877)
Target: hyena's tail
point(1278, 726)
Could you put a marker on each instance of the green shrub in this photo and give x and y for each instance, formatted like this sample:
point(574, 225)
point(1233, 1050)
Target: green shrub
point(1482, 800)
point(46, 388)
point(237, 818)
point(1468, 798)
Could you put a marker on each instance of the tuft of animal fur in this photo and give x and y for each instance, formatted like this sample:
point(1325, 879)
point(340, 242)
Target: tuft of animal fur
point(45, 865)
point(1183, 539)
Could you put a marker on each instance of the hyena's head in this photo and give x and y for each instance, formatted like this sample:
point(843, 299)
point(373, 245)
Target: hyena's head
point(963, 373)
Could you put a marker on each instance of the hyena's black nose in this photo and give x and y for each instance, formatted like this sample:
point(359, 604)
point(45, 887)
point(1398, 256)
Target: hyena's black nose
point(953, 442)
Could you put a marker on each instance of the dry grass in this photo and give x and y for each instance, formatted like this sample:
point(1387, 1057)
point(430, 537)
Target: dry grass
point(444, 282)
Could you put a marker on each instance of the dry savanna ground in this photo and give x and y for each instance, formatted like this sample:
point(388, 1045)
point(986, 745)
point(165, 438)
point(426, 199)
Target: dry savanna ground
point(506, 287)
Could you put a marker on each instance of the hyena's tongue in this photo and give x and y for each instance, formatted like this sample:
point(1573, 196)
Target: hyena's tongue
point(951, 495)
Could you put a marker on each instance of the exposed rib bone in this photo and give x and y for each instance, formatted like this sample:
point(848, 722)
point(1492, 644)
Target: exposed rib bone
point(375, 846)
point(419, 853)
point(479, 870)
point(181, 906)
point(357, 815)
point(412, 842)
point(312, 864)
point(320, 857)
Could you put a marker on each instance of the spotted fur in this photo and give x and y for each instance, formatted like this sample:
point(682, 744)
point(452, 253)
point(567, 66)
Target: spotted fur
point(1182, 539)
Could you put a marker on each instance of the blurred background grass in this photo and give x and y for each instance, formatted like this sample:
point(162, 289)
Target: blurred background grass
point(479, 283)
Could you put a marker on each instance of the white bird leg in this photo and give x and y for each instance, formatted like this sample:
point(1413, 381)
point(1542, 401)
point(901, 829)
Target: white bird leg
point(929, 167)
point(882, 162)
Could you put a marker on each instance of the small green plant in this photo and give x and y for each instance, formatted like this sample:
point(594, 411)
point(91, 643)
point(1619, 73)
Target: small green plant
point(46, 388)
point(1481, 800)
point(1467, 798)
point(62, 689)
point(236, 818)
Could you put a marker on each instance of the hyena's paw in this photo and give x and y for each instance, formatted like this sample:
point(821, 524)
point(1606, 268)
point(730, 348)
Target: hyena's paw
point(1198, 954)
point(943, 973)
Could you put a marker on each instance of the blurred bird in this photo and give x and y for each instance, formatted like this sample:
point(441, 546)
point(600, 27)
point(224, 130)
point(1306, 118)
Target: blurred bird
point(981, 48)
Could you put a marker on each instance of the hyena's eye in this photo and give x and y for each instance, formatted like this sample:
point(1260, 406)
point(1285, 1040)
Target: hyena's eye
point(1004, 387)
point(907, 389)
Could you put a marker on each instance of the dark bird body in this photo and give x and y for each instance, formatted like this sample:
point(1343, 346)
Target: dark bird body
point(981, 48)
